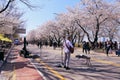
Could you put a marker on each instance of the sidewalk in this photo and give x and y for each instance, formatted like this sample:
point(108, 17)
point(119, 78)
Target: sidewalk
point(19, 68)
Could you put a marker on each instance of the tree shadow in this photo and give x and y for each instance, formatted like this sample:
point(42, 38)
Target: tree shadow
point(99, 71)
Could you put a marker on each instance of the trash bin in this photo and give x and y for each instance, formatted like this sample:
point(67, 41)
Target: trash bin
point(2, 55)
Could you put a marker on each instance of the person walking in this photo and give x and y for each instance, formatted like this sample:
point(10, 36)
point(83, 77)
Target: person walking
point(87, 48)
point(108, 47)
point(83, 46)
point(67, 43)
point(54, 45)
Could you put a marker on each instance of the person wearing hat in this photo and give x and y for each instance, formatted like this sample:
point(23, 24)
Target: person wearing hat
point(67, 43)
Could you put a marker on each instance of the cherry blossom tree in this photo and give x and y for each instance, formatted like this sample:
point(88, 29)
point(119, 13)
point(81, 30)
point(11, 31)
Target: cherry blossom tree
point(5, 4)
point(10, 21)
point(91, 16)
point(31, 38)
point(66, 21)
point(110, 29)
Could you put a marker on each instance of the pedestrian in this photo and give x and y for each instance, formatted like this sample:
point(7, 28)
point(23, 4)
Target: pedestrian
point(118, 52)
point(108, 47)
point(87, 48)
point(119, 45)
point(40, 44)
point(67, 52)
point(46, 43)
point(54, 45)
point(83, 46)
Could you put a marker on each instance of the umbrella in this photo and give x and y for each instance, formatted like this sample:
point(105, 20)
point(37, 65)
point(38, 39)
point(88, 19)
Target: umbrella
point(6, 39)
point(2, 38)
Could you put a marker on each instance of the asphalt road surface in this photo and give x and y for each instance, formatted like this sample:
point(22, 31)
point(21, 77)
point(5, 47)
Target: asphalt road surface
point(48, 61)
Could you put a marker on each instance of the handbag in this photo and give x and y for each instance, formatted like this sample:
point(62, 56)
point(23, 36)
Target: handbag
point(71, 49)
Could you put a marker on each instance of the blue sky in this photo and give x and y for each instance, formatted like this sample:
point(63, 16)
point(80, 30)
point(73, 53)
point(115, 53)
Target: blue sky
point(45, 12)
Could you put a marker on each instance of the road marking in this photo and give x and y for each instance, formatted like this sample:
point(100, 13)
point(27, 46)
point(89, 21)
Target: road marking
point(44, 78)
point(106, 62)
point(52, 70)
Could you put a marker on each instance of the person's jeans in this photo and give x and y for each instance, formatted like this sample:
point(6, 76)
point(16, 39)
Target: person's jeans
point(67, 59)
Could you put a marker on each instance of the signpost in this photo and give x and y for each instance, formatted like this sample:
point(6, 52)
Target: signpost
point(21, 30)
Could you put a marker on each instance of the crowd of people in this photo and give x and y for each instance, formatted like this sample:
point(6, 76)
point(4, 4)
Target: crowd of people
point(107, 46)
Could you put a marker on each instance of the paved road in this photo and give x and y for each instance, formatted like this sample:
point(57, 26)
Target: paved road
point(103, 67)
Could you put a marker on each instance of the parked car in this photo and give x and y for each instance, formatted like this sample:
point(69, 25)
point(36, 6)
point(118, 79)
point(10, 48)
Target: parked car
point(16, 42)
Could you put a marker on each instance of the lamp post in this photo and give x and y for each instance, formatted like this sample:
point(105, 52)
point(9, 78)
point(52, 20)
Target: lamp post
point(24, 43)
point(26, 53)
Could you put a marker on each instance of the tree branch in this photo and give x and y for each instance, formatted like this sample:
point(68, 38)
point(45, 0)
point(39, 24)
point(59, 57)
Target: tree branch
point(7, 5)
